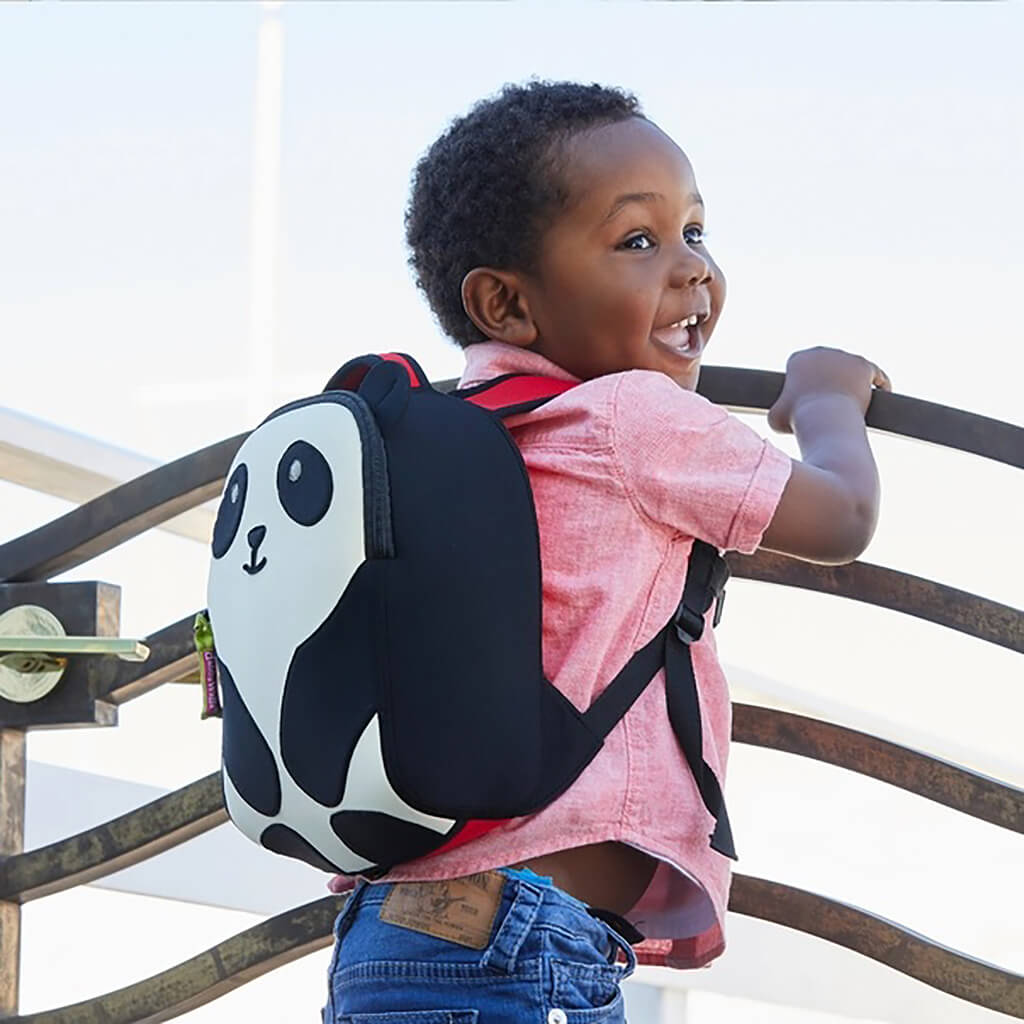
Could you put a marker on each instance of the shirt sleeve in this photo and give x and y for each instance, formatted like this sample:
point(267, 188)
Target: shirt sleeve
point(691, 466)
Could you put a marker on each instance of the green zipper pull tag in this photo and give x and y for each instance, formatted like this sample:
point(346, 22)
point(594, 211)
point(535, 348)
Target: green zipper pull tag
point(203, 632)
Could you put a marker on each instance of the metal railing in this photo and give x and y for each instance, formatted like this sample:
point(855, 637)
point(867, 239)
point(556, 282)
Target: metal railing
point(94, 688)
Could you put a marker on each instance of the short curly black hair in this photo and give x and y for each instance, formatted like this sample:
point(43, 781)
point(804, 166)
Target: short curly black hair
point(486, 190)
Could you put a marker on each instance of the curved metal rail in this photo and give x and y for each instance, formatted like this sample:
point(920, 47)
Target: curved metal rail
point(742, 390)
point(196, 808)
point(901, 415)
point(126, 840)
point(921, 774)
point(172, 653)
point(244, 957)
point(126, 511)
point(288, 936)
point(886, 588)
point(891, 944)
point(120, 514)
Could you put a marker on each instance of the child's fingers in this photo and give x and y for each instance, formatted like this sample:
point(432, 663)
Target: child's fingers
point(881, 379)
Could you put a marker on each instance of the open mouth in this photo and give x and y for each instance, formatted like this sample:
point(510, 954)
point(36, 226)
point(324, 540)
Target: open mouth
point(684, 337)
point(252, 569)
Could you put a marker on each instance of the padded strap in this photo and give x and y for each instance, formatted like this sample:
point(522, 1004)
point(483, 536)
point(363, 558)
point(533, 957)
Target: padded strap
point(514, 393)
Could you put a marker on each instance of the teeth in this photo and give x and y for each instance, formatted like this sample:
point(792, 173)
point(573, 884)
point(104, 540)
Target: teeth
point(690, 321)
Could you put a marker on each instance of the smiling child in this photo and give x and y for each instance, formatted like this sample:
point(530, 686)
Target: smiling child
point(556, 231)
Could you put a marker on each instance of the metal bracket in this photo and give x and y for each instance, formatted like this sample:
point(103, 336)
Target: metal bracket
point(126, 650)
point(34, 650)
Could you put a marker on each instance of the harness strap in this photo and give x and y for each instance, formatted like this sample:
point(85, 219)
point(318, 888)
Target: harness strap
point(514, 393)
point(670, 647)
point(705, 581)
point(684, 714)
point(706, 576)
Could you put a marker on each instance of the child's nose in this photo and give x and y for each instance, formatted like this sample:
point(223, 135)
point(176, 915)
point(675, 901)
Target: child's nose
point(690, 268)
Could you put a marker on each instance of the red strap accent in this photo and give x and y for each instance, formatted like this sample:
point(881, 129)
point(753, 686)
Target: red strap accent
point(397, 357)
point(471, 830)
point(514, 390)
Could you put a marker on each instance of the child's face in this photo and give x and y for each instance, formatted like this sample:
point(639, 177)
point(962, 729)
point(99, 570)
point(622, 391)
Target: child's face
point(626, 260)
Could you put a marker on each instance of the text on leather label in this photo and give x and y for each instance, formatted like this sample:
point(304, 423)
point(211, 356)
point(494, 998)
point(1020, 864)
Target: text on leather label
point(460, 910)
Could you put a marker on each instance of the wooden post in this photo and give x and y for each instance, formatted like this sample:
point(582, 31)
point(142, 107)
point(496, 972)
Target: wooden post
point(12, 840)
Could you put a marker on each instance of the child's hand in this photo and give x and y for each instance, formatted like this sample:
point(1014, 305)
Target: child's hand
point(816, 372)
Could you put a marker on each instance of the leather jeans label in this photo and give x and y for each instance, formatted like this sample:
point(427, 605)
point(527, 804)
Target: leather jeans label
point(459, 910)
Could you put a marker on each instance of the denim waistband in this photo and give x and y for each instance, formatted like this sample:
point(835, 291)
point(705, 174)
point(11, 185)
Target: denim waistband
point(528, 875)
point(526, 907)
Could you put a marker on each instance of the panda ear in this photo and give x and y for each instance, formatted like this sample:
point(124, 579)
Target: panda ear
point(385, 388)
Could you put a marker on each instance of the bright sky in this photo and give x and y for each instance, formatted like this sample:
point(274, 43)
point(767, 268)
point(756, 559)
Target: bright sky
point(862, 167)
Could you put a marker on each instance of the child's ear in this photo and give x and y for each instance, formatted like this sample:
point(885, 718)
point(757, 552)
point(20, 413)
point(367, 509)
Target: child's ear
point(495, 301)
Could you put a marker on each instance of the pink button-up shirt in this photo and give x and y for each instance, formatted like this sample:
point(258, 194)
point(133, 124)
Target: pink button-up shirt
point(626, 470)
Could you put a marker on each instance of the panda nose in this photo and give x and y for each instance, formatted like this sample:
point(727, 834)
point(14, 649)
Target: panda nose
point(255, 536)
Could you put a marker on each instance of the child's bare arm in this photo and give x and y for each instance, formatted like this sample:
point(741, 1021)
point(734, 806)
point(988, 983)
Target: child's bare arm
point(829, 508)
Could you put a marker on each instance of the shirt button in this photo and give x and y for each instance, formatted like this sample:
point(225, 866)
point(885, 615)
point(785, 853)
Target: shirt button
point(557, 1016)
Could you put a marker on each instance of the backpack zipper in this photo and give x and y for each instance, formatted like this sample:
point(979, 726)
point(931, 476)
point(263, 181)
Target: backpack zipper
point(378, 537)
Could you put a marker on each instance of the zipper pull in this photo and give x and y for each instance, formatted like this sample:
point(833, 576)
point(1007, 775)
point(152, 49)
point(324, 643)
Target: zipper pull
point(203, 633)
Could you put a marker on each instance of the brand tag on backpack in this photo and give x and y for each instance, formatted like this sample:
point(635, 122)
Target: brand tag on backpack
point(461, 910)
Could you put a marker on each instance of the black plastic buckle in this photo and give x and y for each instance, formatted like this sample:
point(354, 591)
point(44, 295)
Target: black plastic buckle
point(718, 609)
point(689, 625)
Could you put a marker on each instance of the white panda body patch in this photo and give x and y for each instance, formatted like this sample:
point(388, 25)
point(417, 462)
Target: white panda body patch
point(260, 618)
point(289, 540)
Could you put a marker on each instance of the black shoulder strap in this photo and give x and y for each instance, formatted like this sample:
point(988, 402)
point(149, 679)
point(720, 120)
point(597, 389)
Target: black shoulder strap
point(705, 580)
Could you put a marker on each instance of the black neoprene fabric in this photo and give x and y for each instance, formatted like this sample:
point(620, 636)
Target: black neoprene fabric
point(330, 693)
point(471, 727)
point(247, 758)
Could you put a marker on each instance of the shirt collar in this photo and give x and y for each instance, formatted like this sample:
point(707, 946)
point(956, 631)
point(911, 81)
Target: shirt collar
point(486, 360)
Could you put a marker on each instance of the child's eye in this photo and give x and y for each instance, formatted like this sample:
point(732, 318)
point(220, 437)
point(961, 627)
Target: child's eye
point(640, 236)
point(694, 234)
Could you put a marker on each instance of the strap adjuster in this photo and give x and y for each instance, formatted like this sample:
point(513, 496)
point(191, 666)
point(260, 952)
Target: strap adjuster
point(689, 624)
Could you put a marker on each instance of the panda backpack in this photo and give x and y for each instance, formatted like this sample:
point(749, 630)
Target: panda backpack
point(375, 598)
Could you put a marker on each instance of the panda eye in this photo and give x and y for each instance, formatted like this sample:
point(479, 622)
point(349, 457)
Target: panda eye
point(229, 515)
point(304, 483)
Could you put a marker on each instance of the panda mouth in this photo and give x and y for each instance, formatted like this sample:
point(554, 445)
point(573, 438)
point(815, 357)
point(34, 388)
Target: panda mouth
point(255, 537)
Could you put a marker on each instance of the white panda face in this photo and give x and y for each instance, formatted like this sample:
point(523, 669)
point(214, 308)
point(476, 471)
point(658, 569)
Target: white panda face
point(289, 535)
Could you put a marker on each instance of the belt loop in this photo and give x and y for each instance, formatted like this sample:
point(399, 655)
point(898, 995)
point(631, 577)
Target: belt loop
point(502, 953)
point(627, 951)
point(621, 935)
point(343, 921)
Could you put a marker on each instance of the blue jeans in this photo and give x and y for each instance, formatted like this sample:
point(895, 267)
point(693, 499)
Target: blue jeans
point(548, 961)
